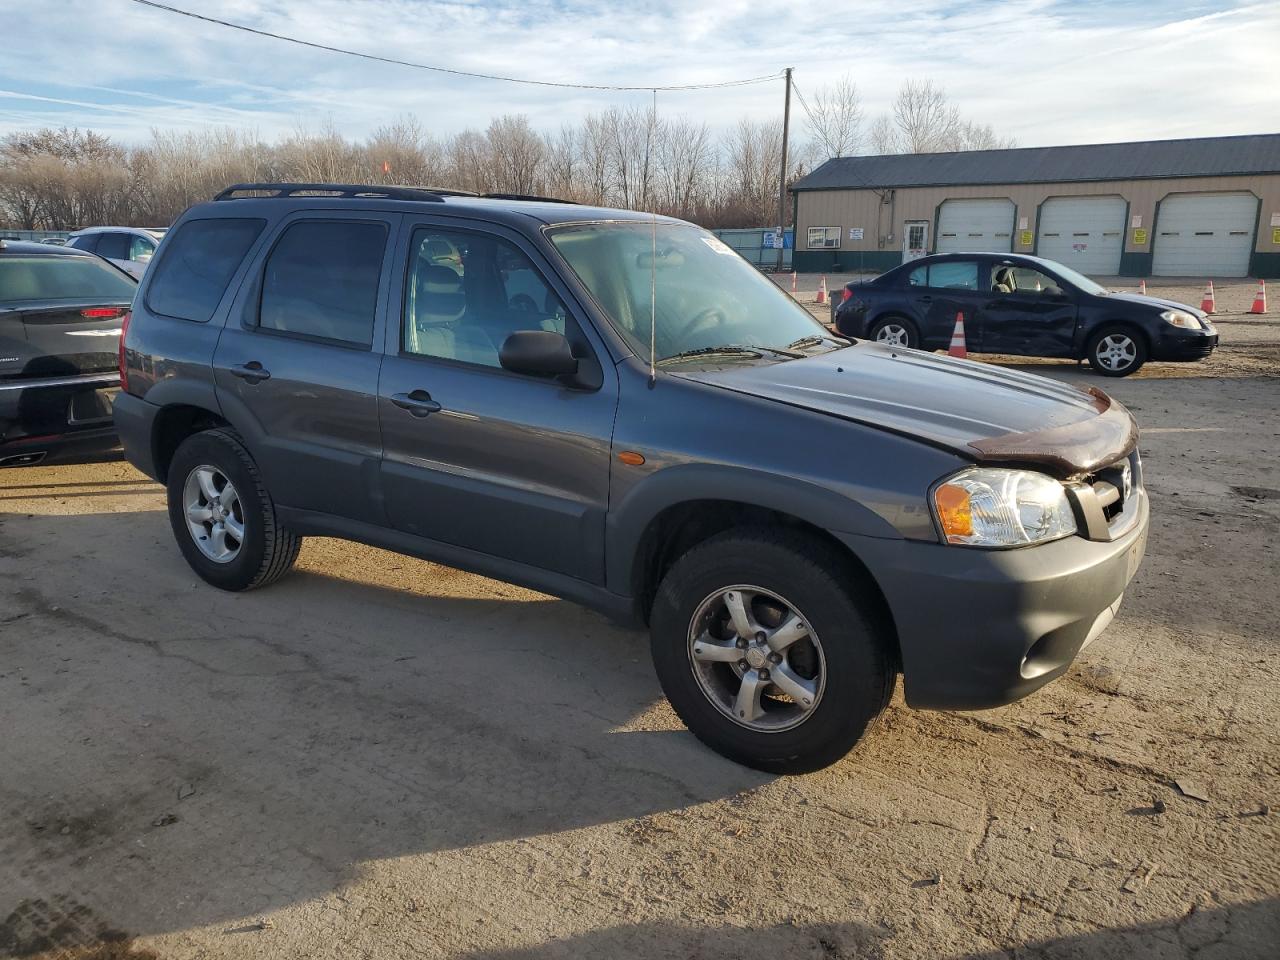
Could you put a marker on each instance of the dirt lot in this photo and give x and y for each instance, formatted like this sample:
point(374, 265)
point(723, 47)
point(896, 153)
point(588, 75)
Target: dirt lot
point(382, 758)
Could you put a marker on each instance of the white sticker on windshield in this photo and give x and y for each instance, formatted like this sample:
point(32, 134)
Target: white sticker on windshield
point(719, 246)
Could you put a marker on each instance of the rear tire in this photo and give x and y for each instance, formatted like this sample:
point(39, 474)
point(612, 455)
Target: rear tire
point(841, 658)
point(1117, 351)
point(895, 332)
point(222, 516)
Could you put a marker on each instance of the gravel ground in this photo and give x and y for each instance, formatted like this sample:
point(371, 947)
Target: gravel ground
point(379, 757)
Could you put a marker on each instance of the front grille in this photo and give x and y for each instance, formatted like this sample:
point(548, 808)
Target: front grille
point(1106, 502)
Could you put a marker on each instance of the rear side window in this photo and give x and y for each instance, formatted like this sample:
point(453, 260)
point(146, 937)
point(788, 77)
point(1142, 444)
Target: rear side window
point(61, 278)
point(114, 246)
point(197, 264)
point(954, 275)
point(321, 281)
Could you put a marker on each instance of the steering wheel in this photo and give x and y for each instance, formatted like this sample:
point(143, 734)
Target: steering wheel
point(522, 301)
point(701, 318)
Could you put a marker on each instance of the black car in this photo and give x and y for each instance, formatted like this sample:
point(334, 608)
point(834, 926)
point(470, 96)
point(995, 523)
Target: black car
point(61, 311)
point(1024, 306)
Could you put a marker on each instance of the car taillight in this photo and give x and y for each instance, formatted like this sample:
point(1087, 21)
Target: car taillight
point(102, 313)
point(124, 332)
point(846, 295)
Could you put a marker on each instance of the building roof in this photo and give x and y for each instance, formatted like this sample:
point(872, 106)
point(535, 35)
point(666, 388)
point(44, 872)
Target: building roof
point(1142, 160)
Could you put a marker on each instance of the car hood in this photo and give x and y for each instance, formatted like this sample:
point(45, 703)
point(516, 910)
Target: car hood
point(981, 412)
point(1156, 303)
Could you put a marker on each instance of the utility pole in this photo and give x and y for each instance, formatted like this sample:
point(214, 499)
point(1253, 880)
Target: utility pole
point(782, 178)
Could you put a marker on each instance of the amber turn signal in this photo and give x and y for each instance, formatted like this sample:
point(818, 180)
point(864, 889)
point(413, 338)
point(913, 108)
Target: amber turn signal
point(631, 457)
point(954, 512)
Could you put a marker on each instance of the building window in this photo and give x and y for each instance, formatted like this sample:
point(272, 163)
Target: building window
point(824, 238)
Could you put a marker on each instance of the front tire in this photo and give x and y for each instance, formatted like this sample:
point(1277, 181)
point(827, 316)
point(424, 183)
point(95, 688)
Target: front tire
point(222, 516)
point(1117, 351)
point(767, 652)
point(895, 332)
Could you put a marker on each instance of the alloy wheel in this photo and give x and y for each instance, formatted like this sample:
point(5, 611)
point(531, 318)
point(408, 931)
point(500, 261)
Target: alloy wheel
point(894, 334)
point(214, 514)
point(756, 658)
point(1116, 352)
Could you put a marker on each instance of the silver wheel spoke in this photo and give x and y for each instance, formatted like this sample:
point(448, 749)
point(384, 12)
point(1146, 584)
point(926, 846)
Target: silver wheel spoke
point(709, 650)
point(802, 691)
point(793, 628)
point(207, 487)
point(235, 528)
point(743, 625)
point(228, 496)
point(199, 514)
point(747, 705)
point(218, 539)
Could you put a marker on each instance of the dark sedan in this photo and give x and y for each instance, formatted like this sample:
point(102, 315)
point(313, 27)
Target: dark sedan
point(61, 311)
point(1024, 306)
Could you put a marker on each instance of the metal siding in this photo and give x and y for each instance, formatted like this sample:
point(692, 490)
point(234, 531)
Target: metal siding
point(1085, 233)
point(1204, 235)
point(975, 226)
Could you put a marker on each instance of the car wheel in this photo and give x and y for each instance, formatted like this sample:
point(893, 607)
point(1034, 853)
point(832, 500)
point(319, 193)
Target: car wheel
point(222, 516)
point(1117, 352)
point(895, 332)
point(767, 653)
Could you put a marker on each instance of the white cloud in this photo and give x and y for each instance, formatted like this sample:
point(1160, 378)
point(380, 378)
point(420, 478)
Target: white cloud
point(1044, 72)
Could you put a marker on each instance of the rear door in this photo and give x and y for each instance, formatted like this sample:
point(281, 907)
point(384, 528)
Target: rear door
point(475, 456)
point(943, 290)
point(1029, 313)
point(296, 370)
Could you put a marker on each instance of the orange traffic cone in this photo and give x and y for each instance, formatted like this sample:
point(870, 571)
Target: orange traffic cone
point(1260, 299)
point(1207, 303)
point(957, 348)
point(1142, 287)
point(822, 292)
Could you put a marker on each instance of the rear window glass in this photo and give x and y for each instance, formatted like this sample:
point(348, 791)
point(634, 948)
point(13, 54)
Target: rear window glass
point(197, 264)
point(321, 281)
point(61, 278)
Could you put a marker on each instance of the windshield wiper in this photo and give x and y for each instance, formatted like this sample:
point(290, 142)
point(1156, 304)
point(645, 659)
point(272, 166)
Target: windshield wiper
point(727, 350)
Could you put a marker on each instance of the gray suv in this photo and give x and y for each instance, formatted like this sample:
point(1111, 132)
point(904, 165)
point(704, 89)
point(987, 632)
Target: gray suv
point(616, 409)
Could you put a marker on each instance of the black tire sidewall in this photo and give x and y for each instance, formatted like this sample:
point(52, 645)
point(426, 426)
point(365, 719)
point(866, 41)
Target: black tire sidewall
point(1140, 348)
point(913, 335)
point(217, 449)
point(858, 671)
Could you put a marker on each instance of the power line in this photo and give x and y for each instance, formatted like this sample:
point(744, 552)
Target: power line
point(457, 73)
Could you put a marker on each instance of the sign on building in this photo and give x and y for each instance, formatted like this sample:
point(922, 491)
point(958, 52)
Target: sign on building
point(855, 233)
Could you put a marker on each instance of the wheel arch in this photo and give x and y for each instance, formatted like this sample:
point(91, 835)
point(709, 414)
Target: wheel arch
point(173, 424)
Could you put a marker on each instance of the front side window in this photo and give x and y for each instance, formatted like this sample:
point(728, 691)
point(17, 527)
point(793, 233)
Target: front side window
point(694, 290)
point(1015, 278)
point(113, 246)
point(62, 278)
point(466, 293)
point(189, 280)
point(321, 281)
point(824, 238)
point(141, 249)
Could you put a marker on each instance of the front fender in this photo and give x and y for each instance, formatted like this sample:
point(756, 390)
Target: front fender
point(688, 482)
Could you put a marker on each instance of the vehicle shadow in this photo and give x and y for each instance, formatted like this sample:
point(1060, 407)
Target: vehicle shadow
point(176, 756)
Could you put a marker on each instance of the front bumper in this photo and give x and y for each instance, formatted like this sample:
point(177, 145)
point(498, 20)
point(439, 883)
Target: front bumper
point(1185, 345)
point(982, 628)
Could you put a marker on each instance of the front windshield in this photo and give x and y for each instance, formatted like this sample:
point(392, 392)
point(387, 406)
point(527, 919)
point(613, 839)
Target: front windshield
point(1078, 280)
point(704, 295)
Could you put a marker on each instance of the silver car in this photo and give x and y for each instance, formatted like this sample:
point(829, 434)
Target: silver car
point(129, 248)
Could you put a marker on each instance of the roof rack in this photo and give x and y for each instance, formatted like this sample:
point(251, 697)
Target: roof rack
point(336, 190)
point(526, 196)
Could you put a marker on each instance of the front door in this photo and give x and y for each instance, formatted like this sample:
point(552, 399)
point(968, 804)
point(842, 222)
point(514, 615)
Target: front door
point(508, 465)
point(915, 239)
point(296, 367)
point(1028, 313)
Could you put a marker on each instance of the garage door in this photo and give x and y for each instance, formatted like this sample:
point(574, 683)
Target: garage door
point(1204, 235)
point(975, 226)
point(1085, 233)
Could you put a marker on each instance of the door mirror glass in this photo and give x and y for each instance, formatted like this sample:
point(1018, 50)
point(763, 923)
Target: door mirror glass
point(538, 353)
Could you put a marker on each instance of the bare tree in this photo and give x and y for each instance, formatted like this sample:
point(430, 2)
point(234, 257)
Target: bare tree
point(516, 155)
point(835, 118)
point(926, 120)
point(883, 136)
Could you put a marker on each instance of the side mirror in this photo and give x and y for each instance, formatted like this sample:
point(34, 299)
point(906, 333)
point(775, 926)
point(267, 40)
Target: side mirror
point(539, 353)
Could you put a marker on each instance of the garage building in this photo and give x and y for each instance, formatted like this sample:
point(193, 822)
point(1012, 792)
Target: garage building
point(1207, 207)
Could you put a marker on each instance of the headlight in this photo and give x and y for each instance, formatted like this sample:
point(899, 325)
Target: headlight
point(1180, 318)
point(993, 507)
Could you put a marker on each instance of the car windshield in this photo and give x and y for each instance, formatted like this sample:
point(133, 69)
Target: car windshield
point(1077, 280)
point(700, 294)
point(62, 278)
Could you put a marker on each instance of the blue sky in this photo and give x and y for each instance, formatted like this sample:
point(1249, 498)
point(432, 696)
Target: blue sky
point(1043, 72)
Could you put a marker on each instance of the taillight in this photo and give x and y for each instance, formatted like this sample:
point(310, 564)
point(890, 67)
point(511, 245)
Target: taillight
point(124, 332)
point(102, 313)
point(846, 295)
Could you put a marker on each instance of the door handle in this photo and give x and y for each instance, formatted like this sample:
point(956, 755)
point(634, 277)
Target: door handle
point(418, 403)
point(926, 299)
point(251, 372)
